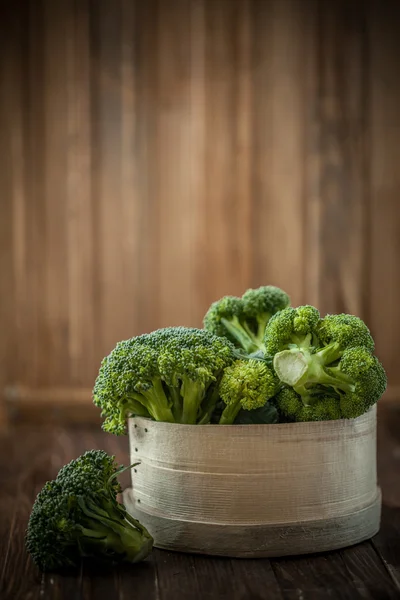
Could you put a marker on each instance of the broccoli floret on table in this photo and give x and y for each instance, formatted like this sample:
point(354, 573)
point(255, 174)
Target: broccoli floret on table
point(77, 515)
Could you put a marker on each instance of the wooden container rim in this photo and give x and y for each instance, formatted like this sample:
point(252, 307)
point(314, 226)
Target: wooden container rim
point(304, 425)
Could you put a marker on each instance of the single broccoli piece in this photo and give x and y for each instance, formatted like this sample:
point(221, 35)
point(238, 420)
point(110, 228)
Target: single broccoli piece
point(292, 408)
point(344, 331)
point(77, 515)
point(362, 382)
point(243, 320)
point(170, 373)
point(368, 377)
point(292, 328)
point(246, 384)
point(294, 333)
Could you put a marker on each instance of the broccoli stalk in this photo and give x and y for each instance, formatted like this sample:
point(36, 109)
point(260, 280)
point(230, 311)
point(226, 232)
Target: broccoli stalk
point(209, 405)
point(77, 515)
point(243, 320)
point(152, 397)
point(299, 368)
point(192, 394)
point(110, 531)
point(241, 335)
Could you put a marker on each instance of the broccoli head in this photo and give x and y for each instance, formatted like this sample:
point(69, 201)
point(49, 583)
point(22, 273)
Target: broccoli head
point(299, 359)
point(292, 328)
point(243, 320)
point(246, 384)
point(368, 379)
point(344, 331)
point(321, 359)
point(77, 515)
point(291, 407)
point(365, 380)
point(169, 375)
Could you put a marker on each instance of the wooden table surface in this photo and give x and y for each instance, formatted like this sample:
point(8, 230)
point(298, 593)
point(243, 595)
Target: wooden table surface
point(29, 456)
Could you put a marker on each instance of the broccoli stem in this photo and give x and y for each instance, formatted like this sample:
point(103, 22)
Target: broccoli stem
point(290, 366)
point(192, 393)
point(262, 322)
point(176, 403)
point(133, 406)
point(113, 532)
point(209, 406)
point(299, 368)
point(329, 354)
point(237, 331)
point(156, 402)
point(230, 413)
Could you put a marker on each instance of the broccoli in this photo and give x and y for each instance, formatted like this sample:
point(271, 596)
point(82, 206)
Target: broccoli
point(243, 320)
point(327, 362)
point(368, 377)
point(292, 328)
point(246, 384)
point(77, 515)
point(291, 407)
point(300, 361)
point(368, 383)
point(170, 373)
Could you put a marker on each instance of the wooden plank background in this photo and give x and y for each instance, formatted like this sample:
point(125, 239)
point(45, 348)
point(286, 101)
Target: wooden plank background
point(157, 155)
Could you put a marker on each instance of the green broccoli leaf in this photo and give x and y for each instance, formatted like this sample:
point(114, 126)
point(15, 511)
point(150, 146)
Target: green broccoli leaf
point(265, 415)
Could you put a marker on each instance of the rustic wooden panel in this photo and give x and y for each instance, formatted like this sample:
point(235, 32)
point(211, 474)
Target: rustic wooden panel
point(10, 203)
point(157, 155)
point(385, 182)
point(279, 63)
point(82, 316)
point(337, 184)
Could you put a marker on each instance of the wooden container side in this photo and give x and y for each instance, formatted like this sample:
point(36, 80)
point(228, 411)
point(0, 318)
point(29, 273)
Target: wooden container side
point(202, 481)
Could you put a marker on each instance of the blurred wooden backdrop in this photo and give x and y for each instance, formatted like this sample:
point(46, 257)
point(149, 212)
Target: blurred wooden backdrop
point(156, 155)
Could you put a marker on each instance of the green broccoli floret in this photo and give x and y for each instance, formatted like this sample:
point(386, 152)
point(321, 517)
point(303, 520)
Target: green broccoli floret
point(301, 362)
point(170, 373)
point(293, 328)
point(243, 320)
point(368, 377)
point(77, 515)
point(368, 382)
point(246, 384)
point(292, 408)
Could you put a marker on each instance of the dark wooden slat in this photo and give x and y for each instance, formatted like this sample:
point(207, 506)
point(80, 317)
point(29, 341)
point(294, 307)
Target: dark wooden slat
point(387, 543)
point(368, 574)
point(314, 578)
point(256, 578)
point(100, 583)
point(61, 587)
point(139, 581)
point(205, 577)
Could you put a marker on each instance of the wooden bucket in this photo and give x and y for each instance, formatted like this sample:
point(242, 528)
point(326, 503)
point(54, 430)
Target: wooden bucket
point(255, 490)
